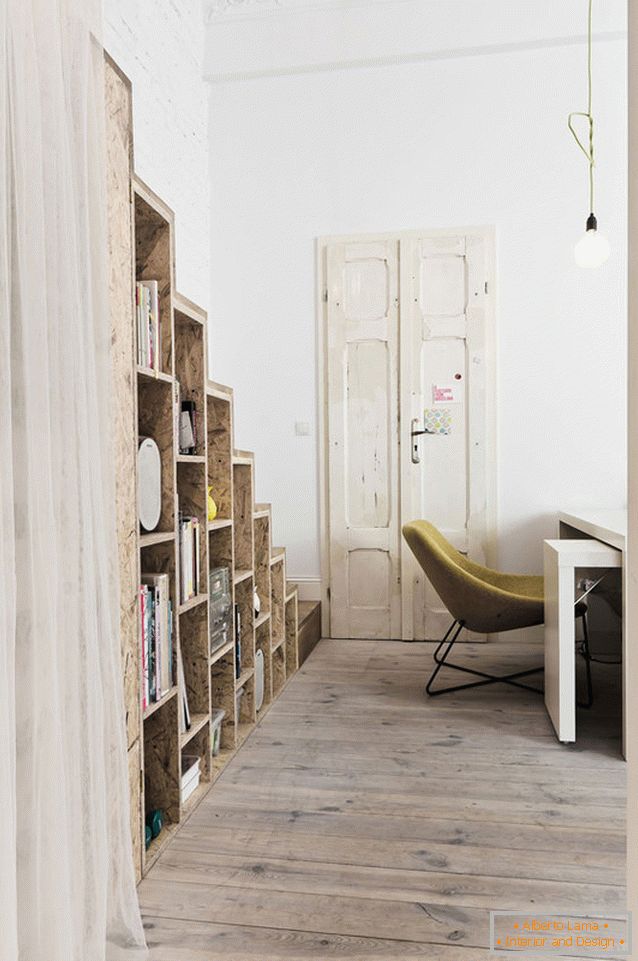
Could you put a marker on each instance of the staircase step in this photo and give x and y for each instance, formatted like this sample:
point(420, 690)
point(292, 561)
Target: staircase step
point(219, 390)
point(190, 310)
point(309, 628)
point(243, 457)
point(277, 554)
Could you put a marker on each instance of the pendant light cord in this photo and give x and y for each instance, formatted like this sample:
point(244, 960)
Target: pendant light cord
point(589, 154)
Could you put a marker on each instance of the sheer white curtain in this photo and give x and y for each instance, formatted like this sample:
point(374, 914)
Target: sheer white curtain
point(67, 890)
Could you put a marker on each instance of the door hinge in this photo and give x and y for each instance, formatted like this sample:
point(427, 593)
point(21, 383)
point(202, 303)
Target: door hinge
point(328, 593)
point(486, 286)
point(325, 295)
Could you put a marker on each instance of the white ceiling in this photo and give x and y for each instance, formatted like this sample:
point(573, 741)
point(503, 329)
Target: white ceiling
point(243, 9)
point(252, 38)
point(248, 9)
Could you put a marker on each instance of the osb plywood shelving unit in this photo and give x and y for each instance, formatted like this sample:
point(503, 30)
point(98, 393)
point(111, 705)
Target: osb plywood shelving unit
point(141, 240)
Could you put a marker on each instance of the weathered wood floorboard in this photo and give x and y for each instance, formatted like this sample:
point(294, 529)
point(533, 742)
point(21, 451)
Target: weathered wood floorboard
point(362, 822)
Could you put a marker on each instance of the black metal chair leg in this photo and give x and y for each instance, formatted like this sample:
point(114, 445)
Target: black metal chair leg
point(586, 653)
point(440, 663)
point(443, 642)
point(512, 679)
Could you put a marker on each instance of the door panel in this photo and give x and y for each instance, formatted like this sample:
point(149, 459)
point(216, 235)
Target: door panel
point(369, 387)
point(442, 286)
point(362, 336)
point(444, 461)
point(444, 357)
point(369, 579)
point(366, 288)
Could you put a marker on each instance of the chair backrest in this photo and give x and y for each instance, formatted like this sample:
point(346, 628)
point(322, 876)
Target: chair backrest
point(445, 567)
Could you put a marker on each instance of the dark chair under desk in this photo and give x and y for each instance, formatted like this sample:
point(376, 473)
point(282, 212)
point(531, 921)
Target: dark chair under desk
point(484, 601)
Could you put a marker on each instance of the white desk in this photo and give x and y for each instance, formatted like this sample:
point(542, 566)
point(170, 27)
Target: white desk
point(610, 527)
point(608, 530)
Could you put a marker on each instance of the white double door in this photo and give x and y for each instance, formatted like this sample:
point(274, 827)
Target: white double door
point(407, 348)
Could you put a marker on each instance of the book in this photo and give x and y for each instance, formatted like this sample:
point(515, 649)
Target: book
point(162, 630)
point(150, 646)
point(177, 407)
point(237, 641)
point(188, 437)
point(147, 314)
point(196, 554)
point(156, 615)
point(170, 641)
point(145, 676)
point(184, 714)
point(189, 550)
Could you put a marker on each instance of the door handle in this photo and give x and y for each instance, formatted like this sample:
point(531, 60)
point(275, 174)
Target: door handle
point(416, 432)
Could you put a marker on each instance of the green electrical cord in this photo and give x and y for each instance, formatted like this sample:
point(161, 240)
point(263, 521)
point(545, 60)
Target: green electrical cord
point(589, 154)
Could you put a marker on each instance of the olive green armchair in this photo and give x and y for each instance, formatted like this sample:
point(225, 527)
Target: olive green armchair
point(481, 600)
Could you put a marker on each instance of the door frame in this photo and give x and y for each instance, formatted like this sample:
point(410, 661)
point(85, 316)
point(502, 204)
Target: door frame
point(488, 234)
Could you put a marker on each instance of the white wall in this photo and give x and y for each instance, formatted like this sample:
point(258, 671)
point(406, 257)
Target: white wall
point(475, 139)
point(159, 46)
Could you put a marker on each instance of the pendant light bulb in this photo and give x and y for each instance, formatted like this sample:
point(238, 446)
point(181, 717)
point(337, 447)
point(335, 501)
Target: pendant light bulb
point(592, 250)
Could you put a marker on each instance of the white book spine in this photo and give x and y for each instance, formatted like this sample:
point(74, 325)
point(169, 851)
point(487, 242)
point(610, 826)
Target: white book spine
point(154, 321)
point(196, 552)
point(189, 559)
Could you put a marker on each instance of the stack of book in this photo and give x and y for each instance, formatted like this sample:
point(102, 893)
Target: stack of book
point(190, 777)
point(157, 637)
point(189, 546)
point(148, 325)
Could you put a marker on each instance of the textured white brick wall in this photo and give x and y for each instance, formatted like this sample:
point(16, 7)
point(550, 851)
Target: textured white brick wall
point(159, 46)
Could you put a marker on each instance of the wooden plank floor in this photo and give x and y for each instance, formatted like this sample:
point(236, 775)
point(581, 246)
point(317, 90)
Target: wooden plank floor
point(363, 822)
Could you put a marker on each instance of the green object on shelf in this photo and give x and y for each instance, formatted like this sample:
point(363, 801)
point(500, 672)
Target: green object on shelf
point(148, 836)
point(155, 821)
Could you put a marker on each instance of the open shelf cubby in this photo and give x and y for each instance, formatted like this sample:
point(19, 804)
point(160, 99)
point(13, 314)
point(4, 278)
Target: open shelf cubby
point(147, 403)
point(244, 606)
point(153, 226)
point(277, 594)
point(220, 451)
point(262, 643)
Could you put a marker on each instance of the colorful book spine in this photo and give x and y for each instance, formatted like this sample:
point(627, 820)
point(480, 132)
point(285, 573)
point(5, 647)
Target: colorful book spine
point(156, 637)
point(145, 679)
point(147, 312)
